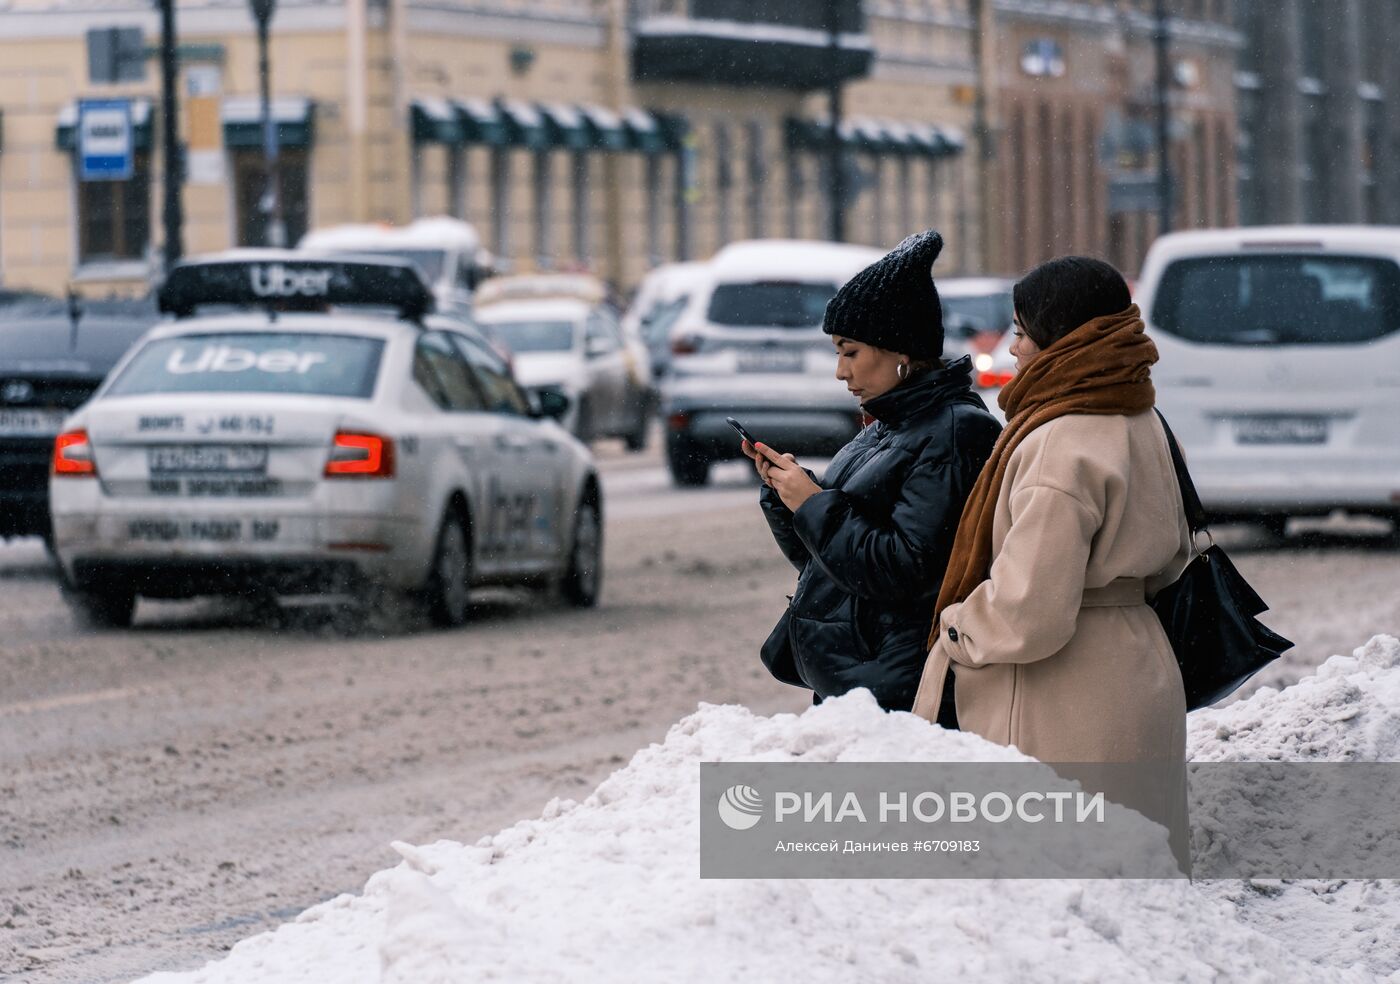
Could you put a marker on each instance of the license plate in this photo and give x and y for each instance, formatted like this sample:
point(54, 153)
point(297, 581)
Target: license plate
point(31, 423)
point(771, 361)
point(212, 530)
point(207, 458)
point(1281, 430)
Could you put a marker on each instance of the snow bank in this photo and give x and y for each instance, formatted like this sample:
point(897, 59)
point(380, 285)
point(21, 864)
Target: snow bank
point(608, 889)
point(1348, 711)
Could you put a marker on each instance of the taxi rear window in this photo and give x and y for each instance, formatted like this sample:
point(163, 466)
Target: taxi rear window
point(253, 362)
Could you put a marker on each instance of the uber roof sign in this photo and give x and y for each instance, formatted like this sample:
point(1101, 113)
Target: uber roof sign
point(286, 281)
point(275, 280)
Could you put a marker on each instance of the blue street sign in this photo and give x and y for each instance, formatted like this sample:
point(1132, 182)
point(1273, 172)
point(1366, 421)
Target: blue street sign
point(105, 140)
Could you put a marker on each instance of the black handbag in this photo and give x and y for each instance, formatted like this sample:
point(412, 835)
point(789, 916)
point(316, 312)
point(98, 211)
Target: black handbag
point(777, 653)
point(1209, 612)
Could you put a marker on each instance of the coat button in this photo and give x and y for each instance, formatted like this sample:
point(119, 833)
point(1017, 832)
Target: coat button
point(952, 634)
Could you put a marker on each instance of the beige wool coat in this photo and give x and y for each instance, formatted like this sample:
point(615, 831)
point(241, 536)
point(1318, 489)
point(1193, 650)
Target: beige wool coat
point(1058, 653)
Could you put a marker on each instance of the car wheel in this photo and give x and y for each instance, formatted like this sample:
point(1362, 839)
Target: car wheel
point(688, 467)
point(637, 437)
point(449, 581)
point(102, 608)
point(583, 580)
point(583, 421)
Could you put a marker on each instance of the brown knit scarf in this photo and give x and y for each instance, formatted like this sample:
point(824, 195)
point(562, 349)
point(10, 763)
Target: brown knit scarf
point(1102, 367)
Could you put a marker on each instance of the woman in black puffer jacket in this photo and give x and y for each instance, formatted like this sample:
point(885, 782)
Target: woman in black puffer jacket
point(872, 540)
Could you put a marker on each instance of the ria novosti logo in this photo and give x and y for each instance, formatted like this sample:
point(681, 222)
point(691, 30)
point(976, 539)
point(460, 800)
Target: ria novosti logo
point(740, 807)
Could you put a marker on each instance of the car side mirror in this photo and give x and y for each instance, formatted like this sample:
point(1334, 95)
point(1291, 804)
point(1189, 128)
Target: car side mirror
point(549, 402)
point(596, 347)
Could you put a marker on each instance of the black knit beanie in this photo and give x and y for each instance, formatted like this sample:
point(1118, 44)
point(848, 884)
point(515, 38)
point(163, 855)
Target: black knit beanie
point(893, 303)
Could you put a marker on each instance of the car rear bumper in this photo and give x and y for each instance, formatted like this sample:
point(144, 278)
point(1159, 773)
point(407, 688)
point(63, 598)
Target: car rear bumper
point(158, 544)
point(1232, 488)
point(800, 432)
point(188, 577)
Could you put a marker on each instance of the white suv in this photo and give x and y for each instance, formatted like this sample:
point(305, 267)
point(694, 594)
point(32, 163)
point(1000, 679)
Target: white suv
point(1280, 366)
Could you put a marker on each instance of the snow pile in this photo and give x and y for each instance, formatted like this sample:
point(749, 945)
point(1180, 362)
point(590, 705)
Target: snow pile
point(608, 889)
point(1348, 711)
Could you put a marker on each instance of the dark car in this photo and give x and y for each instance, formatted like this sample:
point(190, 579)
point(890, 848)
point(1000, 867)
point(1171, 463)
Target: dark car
point(52, 357)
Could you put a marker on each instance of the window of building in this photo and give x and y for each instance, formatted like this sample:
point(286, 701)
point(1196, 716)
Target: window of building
point(1312, 31)
point(1371, 135)
point(724, 181)
point(758, 178)
point(114, 217)
point(579, 180)
point(248, 184)
point(544, 211)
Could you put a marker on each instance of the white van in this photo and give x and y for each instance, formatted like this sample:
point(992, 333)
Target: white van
point(1280, 366)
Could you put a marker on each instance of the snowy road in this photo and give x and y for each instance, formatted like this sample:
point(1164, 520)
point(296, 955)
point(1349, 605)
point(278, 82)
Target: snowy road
point(168, 790)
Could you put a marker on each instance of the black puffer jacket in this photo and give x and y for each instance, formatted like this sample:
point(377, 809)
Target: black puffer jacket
point(873, 545)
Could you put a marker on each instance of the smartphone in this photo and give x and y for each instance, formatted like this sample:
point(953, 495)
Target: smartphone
point(740, 428)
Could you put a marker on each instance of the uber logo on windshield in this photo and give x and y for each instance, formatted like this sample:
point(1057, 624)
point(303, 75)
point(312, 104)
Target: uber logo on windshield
point(275, 280)
point(227, 358)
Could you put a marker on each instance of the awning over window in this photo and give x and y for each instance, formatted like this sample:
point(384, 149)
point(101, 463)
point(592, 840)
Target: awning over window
point(482, 122)
point(566, 126)
point(525, 124)
point(643, 131)
point(64, 136)
point(877, 136)
point(434, 120)
point(604, 127)
point(543, 126)
point(293, 116)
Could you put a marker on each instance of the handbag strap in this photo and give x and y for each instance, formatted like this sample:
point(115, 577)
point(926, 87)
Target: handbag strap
point(1190, 500)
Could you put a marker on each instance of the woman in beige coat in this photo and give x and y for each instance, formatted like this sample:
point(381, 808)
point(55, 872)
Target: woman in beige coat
point(1074, 523)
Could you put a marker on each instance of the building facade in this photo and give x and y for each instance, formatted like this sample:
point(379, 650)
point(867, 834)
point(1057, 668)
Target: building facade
point(607, 135)
point(1071, 126)
point(1319, 98)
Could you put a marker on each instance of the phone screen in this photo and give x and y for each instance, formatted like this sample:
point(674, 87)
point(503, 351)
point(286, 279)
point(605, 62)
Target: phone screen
point(740, 428)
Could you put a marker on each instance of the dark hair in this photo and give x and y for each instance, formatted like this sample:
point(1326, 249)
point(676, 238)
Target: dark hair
point(1060, 295)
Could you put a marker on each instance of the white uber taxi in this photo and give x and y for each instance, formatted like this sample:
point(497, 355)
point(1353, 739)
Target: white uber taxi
point(330, 435)
point(1280, 366)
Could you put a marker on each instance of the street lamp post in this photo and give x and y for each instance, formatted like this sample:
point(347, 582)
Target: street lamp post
point(835, 161)
point(274, 230)
point(1164, 167)
point(172, 213)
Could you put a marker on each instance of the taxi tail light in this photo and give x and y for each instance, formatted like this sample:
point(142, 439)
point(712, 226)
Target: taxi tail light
point(985, 341)
point(359, 455)
point(678, 421)
point(72, 455)
point(684, 345)
point(994, 379)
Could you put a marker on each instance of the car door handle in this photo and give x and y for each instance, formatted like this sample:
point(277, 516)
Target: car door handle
point(505, 442)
